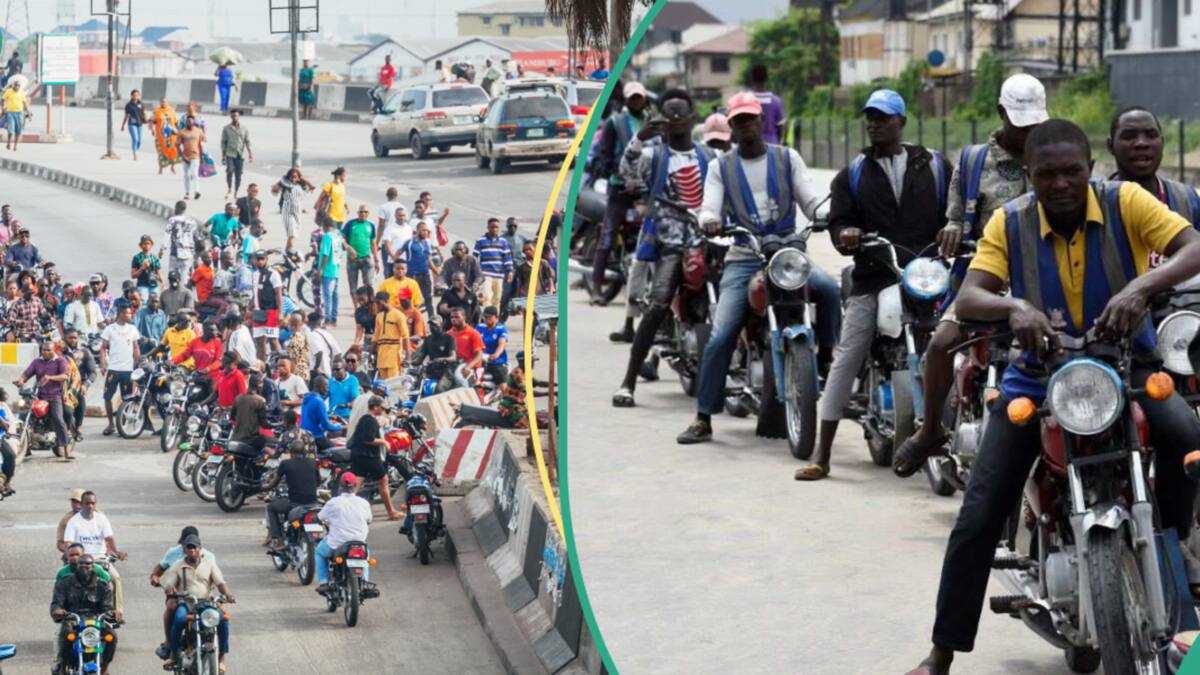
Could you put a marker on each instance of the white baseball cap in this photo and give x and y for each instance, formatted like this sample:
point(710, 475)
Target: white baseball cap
point(1024, 100)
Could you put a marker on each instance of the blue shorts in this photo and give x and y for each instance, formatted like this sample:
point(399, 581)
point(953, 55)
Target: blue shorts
point(16, 122)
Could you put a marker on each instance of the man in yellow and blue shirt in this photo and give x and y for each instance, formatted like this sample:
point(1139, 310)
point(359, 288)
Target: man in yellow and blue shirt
point(1075, 254)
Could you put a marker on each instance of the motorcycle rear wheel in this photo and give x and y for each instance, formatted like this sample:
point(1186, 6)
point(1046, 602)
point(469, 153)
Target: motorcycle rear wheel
point(421, 542)
point(204, 481)
point(183, 468)
point(936, 476)
point(1119, 601)
point(800, 407)
point(230, 496)
point(130, 419)
point(350, 609)
point(308, 564)
point(902, 414)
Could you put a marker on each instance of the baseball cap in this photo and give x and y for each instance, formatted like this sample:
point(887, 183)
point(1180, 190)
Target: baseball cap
point(189, 531)
point(349, 478)
point(191, 540)
point(77, 494)
point(1024, 100)
point(742, 103)
point(887, 102)
point(716, 127)
point(632, 89)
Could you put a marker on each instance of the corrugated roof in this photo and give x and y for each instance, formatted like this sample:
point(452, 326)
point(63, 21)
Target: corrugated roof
point(682, 15)
point(536, 7)
point(736, 41)
point(156, 33)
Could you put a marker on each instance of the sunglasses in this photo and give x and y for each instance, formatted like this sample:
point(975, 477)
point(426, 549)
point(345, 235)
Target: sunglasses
point(351, 360)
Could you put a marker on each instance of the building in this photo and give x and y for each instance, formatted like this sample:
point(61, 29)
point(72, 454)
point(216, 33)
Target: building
point(414, 60)
point(666, 59)
point(714, 67)
point(509, 18)
point(672, 21)
point(1154, 55)
point(876, 40)
point(168, 37)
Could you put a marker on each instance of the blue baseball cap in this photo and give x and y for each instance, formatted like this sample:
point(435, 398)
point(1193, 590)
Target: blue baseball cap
point(887, 102)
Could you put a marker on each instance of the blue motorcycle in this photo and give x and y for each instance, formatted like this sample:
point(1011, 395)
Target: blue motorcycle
point(424, 523)
point(89, 637)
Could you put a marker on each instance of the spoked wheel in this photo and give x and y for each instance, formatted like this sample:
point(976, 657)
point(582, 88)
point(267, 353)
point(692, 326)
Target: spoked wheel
point(350, 609)
point(279, 562)
point(230, 495)
point(306, 292)
point(800, 408)
point(171, 431)
point(307, 563)
point(421, 542)
point(183, 468)
point(1119, 599)
point(204, 480)
point(130, 419)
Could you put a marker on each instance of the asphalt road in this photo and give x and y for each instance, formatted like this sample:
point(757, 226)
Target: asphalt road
point(711, 558)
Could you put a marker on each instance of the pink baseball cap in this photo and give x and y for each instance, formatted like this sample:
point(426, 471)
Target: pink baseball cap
point(716, 126)
point(742, 103)
point(349, 478)
point(632, 89)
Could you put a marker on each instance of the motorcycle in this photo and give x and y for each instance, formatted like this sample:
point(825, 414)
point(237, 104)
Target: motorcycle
point(346, 569)
point(151, 390)
point(214, 432)
point(1083, 569)
point(301, 534)
point(590, 207)
point(244, 472)
point(198, 654)
point(180, 391)
point(88, 636)
point(34, 428)
point(978, 367)
point(890, 381)
point(424, 506)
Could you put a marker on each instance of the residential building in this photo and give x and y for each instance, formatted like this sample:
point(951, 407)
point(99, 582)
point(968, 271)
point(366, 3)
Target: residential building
point(1157, 24)
point(672, 21)
point(667, 58)
point(714, 67)
point(414, 60)
point(509, 18)
point(1154, 55)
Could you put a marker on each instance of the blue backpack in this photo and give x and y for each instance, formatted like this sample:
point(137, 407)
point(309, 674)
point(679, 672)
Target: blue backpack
point(938, 165)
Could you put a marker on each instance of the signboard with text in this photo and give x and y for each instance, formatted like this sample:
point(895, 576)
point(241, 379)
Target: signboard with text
point(58, 59)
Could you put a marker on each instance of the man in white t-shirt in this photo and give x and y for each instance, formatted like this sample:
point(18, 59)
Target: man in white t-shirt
point(321, 342)
point(90, 528)
point(118, 357)
point(348, 518)
point(291, 386)
point(393, 236)
point(84, 314)
point(182, 231)
point(238, 338)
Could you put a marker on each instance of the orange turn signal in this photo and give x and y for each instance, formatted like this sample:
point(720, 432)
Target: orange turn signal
point(1021, 410)
point(296, 524)
point(338, 560)
point(70, 637)
point(108, 637)
point(371, 562)
point(1160, 386)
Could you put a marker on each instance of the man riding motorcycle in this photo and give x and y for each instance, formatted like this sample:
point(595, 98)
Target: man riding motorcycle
point(172, 556)
point(891, 198)
point(1108, 289)
point(988, 176)
point(770, 208)
point(673, 169)
point(299, 473)
point(88, 370)
point(81, 592)
point(91, 528)
point(348, 518)
point(195, 575)
point(1136, 143)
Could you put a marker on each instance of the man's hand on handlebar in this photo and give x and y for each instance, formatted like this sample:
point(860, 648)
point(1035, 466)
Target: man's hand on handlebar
point(948, 239)
point(1123, 313)
point(711, 226)
point(849, 238)
point(1032, 328)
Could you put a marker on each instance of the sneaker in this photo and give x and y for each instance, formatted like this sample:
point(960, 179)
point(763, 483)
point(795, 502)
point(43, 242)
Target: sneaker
point(163, 652)
point(699, 432)
point(623, 398)
point(78, 436)
point(623, 335)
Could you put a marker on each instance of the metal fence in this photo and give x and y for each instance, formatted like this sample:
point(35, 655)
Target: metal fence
point(830, 142)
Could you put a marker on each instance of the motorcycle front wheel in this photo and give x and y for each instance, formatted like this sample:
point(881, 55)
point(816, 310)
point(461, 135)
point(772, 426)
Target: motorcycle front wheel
point(280, 563)
point(129, 419)
point(209, 663)
point(204, 480)
point(169, 438)
point(230, 495)
point(800, 408)
point(1119, 604)
point(183, 468)
point(350, 609)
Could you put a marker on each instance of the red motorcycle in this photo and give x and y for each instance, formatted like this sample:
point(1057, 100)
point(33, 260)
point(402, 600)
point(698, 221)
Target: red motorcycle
point(34, 429)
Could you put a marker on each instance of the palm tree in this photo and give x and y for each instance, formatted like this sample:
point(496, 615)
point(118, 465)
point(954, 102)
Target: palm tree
point(593, 23)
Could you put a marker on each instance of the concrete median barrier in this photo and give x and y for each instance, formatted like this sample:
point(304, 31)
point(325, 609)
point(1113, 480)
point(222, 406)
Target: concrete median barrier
point(331, 97)
point(153, 89)
point(439, 410)
point(278, 95)
point(514, 566)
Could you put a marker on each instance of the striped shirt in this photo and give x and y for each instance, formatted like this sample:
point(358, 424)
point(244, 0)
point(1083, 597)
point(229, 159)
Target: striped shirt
point(495, 256)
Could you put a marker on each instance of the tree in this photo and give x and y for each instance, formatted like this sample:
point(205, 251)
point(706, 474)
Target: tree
point(792, 48)
point(592, 24)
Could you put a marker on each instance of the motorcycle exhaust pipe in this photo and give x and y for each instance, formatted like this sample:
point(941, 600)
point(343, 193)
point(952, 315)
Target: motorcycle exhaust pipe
point(576, 267)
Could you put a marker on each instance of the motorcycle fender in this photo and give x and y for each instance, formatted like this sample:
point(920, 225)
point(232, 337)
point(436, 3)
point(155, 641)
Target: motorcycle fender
point(796, 336)
point(1112, 517)
point(889, 315)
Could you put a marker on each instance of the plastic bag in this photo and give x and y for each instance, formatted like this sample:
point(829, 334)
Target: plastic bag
point(443, 239)
point(207, 166)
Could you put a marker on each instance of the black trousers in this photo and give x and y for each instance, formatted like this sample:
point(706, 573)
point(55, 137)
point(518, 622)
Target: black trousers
point(614, 216)
point(233, 172)
point(60, 423)
point(1006, 454)
point(8, 461)
point(668, 274)
point(277, 513)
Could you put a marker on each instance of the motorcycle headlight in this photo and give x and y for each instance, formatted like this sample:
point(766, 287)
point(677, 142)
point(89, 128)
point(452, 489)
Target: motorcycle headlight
point(925, 278)
point(1085, 396)
point(193, 425)
point(1175, 335)
point(178, 388)
point(789, 269)
point(90, 637)
point(210, 617)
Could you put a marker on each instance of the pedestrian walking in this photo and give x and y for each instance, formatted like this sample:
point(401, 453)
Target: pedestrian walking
point(359, 234)
point(226, 83)
point(329, 261)
point(421, 266)
point(496, 264)
point(146, 269)
point(182, 234)
point(16, 109)
point(13, 67)
point(516, 244)
point(249, 208)
point(191, 148)
point(135, 118)
point(289, 188)
point(235, 150)
point(165, 123)
point(306, 93)
point(332, 202)
point(772, 106)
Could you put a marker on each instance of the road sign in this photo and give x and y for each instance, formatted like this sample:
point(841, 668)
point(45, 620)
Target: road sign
point(58, 59)
point(936, 58)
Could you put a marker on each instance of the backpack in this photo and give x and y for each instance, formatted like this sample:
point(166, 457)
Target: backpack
point(970, 167)
point(937, 164)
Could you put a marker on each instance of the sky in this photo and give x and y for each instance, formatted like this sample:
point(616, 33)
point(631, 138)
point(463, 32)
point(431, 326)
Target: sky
point(400, 18)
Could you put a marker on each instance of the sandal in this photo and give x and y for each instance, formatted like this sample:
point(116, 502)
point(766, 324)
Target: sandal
point(811, 472)
point(910, 457)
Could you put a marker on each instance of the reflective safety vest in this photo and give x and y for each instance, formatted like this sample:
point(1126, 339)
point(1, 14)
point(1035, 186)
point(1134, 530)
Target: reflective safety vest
point(1182, 199)
point(647, 246)
point(739, 198)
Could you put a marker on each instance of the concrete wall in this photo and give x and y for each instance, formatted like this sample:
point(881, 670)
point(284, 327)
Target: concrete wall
point(1162, 81)
point(518, 25)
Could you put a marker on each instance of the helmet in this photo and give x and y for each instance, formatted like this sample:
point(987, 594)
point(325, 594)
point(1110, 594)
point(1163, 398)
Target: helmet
point(417, 420)
point(398, 441)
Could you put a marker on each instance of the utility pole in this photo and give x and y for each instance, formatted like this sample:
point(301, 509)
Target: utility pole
point(1062, 32)
point(295, 18)
point(294, 25)
point(1075, 19)
point(968, 42)
point(111, 12)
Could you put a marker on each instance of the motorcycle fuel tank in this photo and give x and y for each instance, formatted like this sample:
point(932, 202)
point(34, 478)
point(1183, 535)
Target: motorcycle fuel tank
point(889, 315)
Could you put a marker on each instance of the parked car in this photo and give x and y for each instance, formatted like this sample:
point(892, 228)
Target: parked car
point(527, 126)
point(580, 95)
point(428, 116)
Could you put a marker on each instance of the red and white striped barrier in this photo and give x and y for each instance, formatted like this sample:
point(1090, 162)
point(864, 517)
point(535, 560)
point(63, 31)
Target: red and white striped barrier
point(464, 454)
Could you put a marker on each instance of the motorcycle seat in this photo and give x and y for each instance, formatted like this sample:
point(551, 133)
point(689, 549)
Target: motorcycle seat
point(298, 512)
point(241, 449)
point(340, 455)
point(345, 548)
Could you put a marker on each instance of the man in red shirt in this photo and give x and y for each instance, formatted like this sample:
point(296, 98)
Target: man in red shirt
point(230, 382)
point(202, 278)
point(205, 350)
point(468, 343)
point(387, 75)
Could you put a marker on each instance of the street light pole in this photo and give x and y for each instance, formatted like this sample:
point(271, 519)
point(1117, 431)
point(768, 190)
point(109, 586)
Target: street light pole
point(108, 94)
point(294, 25)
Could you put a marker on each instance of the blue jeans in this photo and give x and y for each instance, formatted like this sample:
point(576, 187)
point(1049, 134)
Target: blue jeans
point(223, 92)
point(329, 298)
point(135, 136)
point(180, 620)
point(732, 306)
point(324, 553)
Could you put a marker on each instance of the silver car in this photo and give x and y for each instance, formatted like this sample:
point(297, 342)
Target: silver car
point(428, 116)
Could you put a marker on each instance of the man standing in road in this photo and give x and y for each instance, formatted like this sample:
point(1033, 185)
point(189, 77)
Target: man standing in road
point(151, 322)
point(764, 206)
point(618, 130)
point(84, 315)
point(88, 370)
point(462, 262)
point(330, 254)
point(182, 234)
point(359, 234)
point(392, 239)
point(516, 244)
point(249, 208)
point(267, 301)
point(91, 528)
point(50, 369)
point(387, 75)
point(496, 263)
point(191, 140)
point(468, 343)
point(235, 149)
point(175, 297)
point(332, 201)
point(421, 267)
point(772, 118)
point(390, 341)
point(16, 109)
point(119, 355)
